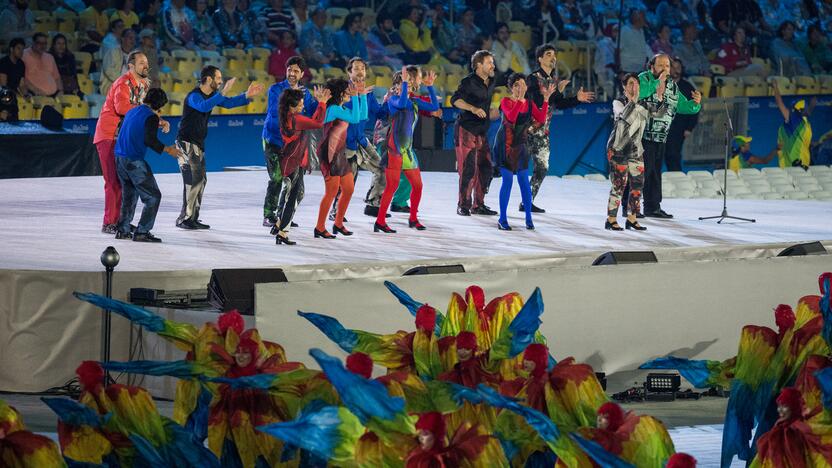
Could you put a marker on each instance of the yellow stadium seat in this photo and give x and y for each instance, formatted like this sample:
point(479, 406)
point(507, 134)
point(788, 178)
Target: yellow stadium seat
point(68, 99)
point(184, 83)
point(756, 90)
point(166, 82)
point(787, 87)
point(454, 68)
point(824, 83)
point(85, 84)
point(702, 83)
point(257, 105)
point(40, 101)
point(46, 24)
point(452, 82)
point(260, 76)
point(765, 63)
point(77, 110)
point(237, 67)
point(187, 61)
point(238, 54)
point(717, 69)
point(523, 37)
point(336, 16)
point(806, 85)
point(166, 110)
point(176, 109)
point(729, 87)
point(567, 54)
point(515, 26)
point(383, 81)
point(67, 21)
point(83, 60)
point(25, 110)
point(334, 73)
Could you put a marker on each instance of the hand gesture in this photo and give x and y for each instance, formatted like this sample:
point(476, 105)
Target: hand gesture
point(547, 92)
point(697, 96)
point(585, 96)
point(437, 113)
point(562, 84)
point(254, 89)
point(479, 112)
point(173, 151)
point(663, 77)
point(405, 74)
point(322, 94)
point(429, 78)
point(227, 86)
point(164, 125)
point(368, 89)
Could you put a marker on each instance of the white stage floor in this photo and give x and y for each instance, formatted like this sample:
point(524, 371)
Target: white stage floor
point(54, 224)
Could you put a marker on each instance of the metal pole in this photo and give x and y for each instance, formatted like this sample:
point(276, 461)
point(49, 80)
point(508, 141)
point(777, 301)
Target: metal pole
point(106, 327)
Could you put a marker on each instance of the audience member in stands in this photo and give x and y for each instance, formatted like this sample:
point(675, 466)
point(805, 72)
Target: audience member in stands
point(94, 23)
point(777, 11)
point(683, 124)
point(727, 15)
point(205, 32)
point(786, 52)
point(816, 50)
point(509, 55)
point(124, 12)
point(42, 75)
point(231, 25)
point(467, 31)
point(445, 36)
point(16, 20)
point(317, 42)
point(12, 68)
point(574, 26)
point(300, 14)
point(286, 49)
point(114, 63)
point(674, 13)
point(634, 49)
point(604, 59)
point(65, 61)
point(384, 44)
point(484, 16)
point(736, 57)
point(278, 18)
point(690, 52)
point(152, 18)
point(483, 42)
point(349, 41)
point(147, 45)
point(415, 31)
point(549, 23)
point(662, 44)
point(113, 38)
point(177, 26)
point(251, 23)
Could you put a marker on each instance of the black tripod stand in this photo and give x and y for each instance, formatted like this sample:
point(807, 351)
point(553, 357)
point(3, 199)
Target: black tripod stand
point(729, 134)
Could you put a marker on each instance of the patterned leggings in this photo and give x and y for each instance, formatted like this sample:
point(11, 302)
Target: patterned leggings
point(625, 167)
point(538, 146)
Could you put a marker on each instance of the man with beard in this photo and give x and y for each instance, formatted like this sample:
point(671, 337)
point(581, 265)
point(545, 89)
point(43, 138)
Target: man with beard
point(360, 152)
point(538, 142)
point(193, 128)
point(473, 156)
point(127, 92)
point(273, 141)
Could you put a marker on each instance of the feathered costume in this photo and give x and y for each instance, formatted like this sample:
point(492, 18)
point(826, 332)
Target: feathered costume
point(20, 448)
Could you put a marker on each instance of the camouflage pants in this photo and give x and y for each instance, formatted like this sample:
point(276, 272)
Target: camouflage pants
point(625, 167)
point(538, 146)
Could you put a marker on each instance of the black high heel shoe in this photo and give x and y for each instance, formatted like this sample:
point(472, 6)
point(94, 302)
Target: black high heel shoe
point(383, 228)
point(278, 239)
point(635, 225)
point(530, 226)
point(341, 230)
point(503, 226)
point(613, 226)
point(416, 225)
point(323, 234)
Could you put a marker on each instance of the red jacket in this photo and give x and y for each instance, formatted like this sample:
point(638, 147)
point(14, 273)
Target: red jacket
point(125, 94)
point(733, 57)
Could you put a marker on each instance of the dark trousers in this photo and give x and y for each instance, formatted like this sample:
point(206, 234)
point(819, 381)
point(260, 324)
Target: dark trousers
point(136, 178)
point(473, 160)
point(653, 160)
point(270, 204)
point(673, 151)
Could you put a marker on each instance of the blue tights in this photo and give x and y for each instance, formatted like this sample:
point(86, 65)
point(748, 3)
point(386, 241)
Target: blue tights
point(525, 193)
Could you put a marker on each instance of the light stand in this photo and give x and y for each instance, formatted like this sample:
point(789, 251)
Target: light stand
point(109, 258)
point(729, 134)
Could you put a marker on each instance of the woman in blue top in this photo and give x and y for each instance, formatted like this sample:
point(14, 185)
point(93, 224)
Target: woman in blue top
point(335, 167)
point(404, 113)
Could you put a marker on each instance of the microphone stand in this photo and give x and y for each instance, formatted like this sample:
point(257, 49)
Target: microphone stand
point(729, 133)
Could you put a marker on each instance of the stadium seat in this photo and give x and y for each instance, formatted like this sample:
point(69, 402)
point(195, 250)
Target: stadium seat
point(184, 83)
point(383, 81)
point(76, 110)
point(335, 17)
point(717, 69)
point(821, 195)
point(25, 110)
point(765, 63)
point(85, 84)
point(787, 87)
point(702, 83)
point(783, 188)
point(83, 60)
point(259, 57)
point(237, 67)
point(238, 54)
point(567, 54)
point(795, 171)
point(257, 105)
point(755, 86)
point(796, 196)
point(806, 85)
point(824, 83)
point(729, 87)
point(46, 24)
point(700, 174)
point(261, 77)
point(333, 72)
point(67, 21)
point(772, 196)
point(166, 82)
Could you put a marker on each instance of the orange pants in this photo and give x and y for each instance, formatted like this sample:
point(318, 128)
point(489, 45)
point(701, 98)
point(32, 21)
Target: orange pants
point(333, 183)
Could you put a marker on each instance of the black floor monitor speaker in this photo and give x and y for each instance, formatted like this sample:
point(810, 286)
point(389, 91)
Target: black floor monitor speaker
point(809, 248)
point(434, 270)
point(621, 258)
point(51, 118)
point(234, 288)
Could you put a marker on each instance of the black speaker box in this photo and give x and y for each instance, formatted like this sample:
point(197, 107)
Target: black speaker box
point(809, 248)
point(234, 288)
point(436, 160)
point(434, 270)
point(428, 133)
point(621, 258)
point(51, 118)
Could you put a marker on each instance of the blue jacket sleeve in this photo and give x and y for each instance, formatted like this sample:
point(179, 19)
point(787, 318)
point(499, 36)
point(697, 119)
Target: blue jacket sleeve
point(351, 115)
point(236, 101)
point(310, 104)
point(201, 104)
point(364, 113)
point(402, 101)
point(431, 106)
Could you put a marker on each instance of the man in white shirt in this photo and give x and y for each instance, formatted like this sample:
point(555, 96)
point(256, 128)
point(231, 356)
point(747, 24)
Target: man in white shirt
point(634, 49)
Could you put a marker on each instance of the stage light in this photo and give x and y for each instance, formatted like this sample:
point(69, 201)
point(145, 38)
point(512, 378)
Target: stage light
point(110, 258)
point(663, 383)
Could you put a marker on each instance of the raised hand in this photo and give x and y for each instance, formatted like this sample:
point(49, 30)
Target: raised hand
point(697, 96)
point(352, 90)
point(429, 78)
point(368, 89)
point(164, 125)
point(547, 92)
point(254, 89)
point(585, 96)
point(405, 74)
point(562, 84)
point(228, 85)
point(663, 76)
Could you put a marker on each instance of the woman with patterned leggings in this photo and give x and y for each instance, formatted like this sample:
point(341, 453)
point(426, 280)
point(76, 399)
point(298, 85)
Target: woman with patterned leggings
point(335, 166)
point(294, 159)
point(404, 113)
point(510, 153)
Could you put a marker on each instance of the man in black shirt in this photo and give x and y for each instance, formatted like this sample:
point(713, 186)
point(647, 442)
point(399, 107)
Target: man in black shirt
point(538, 142)
point(683, 124)
point(473, 156)
point(12, 68)
point(193, 128)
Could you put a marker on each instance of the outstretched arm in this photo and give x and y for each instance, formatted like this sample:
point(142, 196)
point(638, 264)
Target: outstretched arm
point(431, 106)
point(303, 122)
point(779, 100)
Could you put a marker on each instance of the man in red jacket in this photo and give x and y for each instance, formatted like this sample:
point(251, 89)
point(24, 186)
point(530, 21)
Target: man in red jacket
point(127, 92)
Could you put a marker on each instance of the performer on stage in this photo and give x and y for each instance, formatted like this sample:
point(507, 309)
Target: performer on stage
point(624, 150)
point(510, 151)
point(335, 167)
point(741, 156)
point(273, 139)
point(294, 156)
point(538, 142)
point(473, 97)
point(360, 152)
point(404, 114)
point(136, 134)
point(655, 134)
point(795, 135)
point(126, 93)
point(193, 128)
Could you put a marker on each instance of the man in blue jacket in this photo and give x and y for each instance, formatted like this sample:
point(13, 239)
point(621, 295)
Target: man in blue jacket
point(193, 128)
point(136, 134)
point(273, 141)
